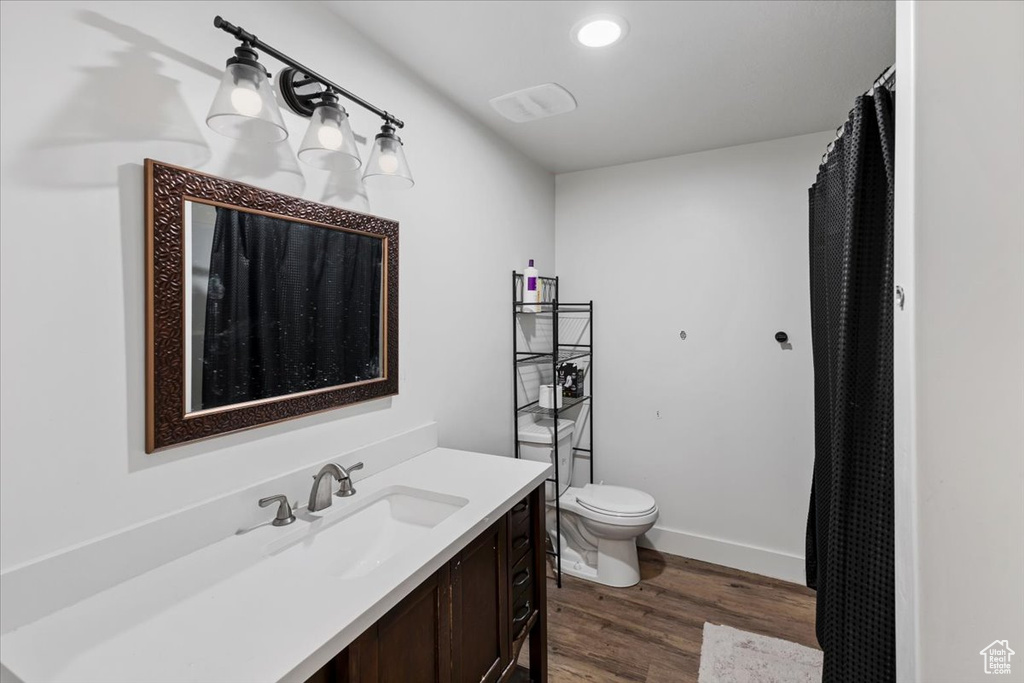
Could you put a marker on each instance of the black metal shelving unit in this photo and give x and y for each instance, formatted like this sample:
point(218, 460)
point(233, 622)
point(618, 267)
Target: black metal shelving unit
point(559, 353)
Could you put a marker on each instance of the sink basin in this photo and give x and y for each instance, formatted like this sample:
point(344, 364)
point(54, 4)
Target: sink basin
point(353, 542)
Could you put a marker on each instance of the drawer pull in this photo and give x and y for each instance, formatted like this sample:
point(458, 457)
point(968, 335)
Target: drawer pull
point(520, 543)
point(522, 614)
point(521, 578)
point(519, 507)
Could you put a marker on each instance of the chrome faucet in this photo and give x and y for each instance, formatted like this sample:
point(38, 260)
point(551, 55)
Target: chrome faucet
point(320, 495)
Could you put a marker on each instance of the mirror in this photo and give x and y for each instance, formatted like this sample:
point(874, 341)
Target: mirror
point(277, 307)
point(262, 307)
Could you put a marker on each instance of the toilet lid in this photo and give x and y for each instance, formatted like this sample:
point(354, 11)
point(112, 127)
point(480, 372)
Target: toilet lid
point(615, 500)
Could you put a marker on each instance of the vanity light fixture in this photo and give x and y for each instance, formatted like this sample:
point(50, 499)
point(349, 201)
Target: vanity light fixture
point(387, 166)
point(245, 107)
point(601, 30)
point(329, 139)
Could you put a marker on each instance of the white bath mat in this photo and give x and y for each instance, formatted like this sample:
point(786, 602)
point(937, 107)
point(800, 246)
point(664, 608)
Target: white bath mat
point(728, 655)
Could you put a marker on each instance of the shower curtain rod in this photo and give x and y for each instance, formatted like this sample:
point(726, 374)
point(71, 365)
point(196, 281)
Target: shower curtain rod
point(888, 79)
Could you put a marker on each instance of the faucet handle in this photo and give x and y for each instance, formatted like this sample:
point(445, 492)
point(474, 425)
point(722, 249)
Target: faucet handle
point(284, 509)
point(346, 489)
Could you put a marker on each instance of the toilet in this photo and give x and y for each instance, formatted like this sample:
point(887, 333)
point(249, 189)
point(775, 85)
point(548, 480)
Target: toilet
point(600, 522)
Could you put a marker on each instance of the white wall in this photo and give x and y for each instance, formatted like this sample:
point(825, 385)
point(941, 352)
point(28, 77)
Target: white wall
point(715, 244)
point(90, 89)
point(960, 427)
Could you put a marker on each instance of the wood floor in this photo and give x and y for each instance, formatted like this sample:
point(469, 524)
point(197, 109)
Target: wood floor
point(652, 632)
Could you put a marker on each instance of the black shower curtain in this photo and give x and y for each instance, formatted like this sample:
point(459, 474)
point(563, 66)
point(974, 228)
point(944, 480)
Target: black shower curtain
point(290, 307)
point(850, 527)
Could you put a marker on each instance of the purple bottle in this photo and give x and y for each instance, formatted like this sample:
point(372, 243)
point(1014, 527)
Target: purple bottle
point(531, 289)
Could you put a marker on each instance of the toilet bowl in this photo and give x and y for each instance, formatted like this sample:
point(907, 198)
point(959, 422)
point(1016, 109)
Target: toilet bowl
point(603, 523)
point(600, 522)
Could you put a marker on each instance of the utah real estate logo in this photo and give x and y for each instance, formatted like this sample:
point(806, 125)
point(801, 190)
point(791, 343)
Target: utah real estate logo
point(997, 657)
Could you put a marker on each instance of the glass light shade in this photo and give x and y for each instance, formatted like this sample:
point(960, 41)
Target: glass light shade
point(329, 143)
point(387, 166)
point(244, 107)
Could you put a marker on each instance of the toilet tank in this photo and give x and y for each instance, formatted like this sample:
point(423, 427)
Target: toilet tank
point(536, 443)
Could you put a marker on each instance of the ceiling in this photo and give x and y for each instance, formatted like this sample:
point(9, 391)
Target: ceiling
point(689, 76)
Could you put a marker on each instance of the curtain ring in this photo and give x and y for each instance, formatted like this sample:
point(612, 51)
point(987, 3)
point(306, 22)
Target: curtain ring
point(881, 76)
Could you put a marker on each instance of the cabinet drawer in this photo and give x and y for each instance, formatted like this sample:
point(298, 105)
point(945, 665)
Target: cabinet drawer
point(519, 512)
point(521, 544)
point(522, 608)
point(521, 576)
point(519, 520)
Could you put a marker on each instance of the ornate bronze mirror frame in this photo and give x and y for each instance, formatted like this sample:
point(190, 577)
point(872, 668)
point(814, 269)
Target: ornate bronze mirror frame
point(169, 419)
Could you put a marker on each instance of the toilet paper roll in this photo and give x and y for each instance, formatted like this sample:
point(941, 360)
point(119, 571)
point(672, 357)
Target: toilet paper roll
point(549, 394)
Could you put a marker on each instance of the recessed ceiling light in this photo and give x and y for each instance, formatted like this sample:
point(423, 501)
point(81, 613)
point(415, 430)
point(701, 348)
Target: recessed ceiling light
point(600, 31)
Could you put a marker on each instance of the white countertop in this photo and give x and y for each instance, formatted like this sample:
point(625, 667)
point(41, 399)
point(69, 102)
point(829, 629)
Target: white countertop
point(233, 612)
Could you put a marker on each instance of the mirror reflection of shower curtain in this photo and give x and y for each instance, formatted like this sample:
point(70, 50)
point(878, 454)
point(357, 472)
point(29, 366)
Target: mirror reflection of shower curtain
point(850, 527)
point(291, 307)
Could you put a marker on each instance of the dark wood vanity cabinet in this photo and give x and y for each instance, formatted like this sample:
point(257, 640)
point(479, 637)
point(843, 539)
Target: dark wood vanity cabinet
point(469, 621)
point(412, 642)
point(479, 605)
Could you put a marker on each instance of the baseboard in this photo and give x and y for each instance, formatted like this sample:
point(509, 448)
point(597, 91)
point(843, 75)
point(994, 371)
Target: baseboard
point(726, 553)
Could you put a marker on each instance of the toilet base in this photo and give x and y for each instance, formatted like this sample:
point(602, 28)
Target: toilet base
point(596, 547)
point(617, 564)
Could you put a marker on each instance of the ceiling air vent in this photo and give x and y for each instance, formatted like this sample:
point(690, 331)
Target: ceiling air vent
point(531, 104)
